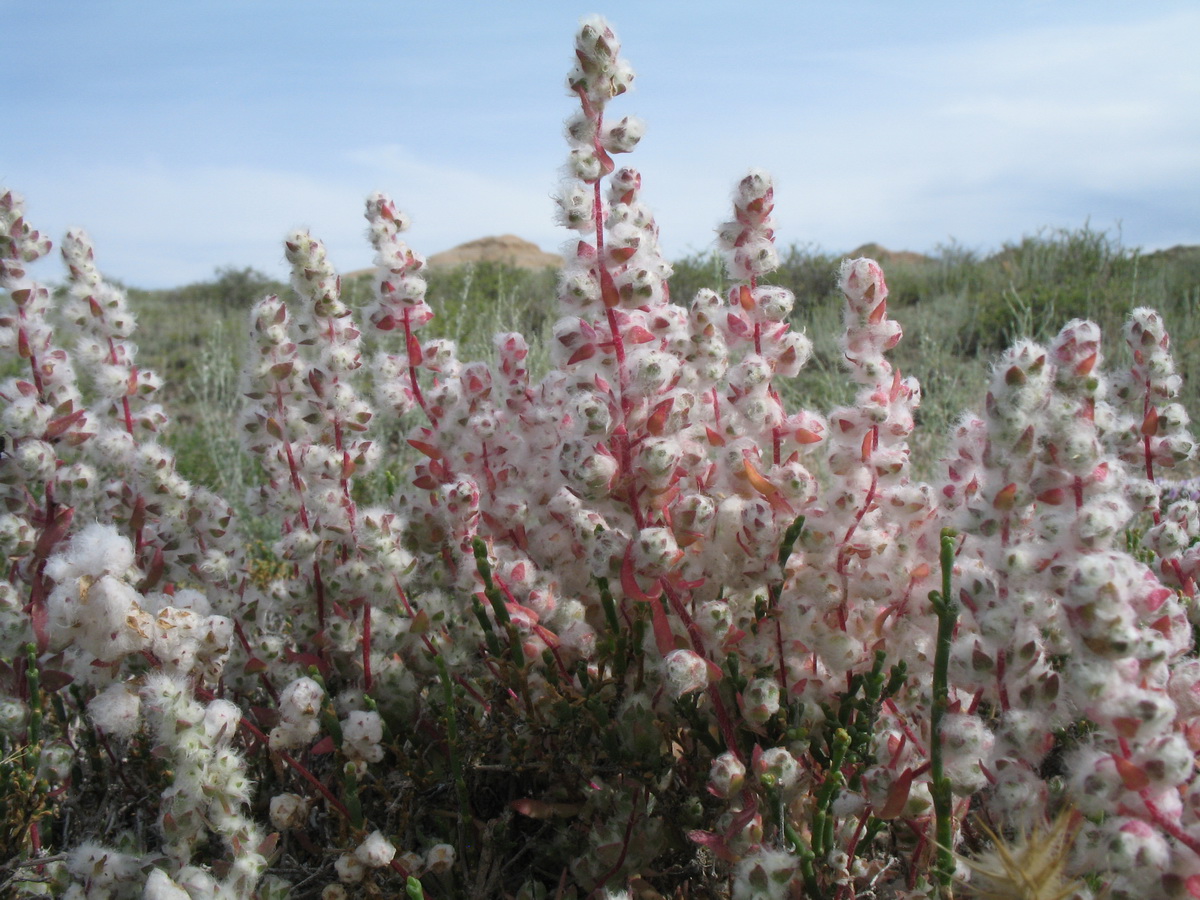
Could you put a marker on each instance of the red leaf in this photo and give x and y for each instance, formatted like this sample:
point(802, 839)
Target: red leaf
point(1131, 774)
point(54, 533)
point(658, 419)
point(738, 326)
point(154, 573)
point(608, 289)
point(58, 426)
point(629, 580)
point(769, 491)
point(1005, 497)
point(868, 444)
point(53, 680)
point(897, 796)
point(804, 436)
point(540, 809)
point(713, 842)
point(1052, 497)
point(323, 746)
point(267, 847)
point(428, 449)
point(1150, 422)
point(413, 346)
point(638, 335)
point(1084, 366)
point(587, 351)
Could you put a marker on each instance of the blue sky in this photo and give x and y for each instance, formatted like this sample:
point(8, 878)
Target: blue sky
point(187, 136)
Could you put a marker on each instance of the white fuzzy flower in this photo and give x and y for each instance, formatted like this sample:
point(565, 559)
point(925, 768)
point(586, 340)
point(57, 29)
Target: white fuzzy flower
point(375, 851)
point(686, 672)
point(361, 733)
point(159, 886)
point(116, 711)
point(350, 869)
point(288, 811)
point(439, 858)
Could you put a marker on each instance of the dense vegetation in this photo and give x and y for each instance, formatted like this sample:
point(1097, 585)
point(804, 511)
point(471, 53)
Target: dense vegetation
point(957, 307)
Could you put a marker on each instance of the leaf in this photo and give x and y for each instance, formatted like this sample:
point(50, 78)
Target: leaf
point(804, 436)
point(430, 450)
point(1005, 497)
point(769, 491)
point(714, 843)
point(420, 623)
point(745, 298)
point(629, 580)
point(58, 426)
point(1132, 775)
point(658, 419)
point(1150, 422)
point(608, 289)
point(323, 746)
point(897, 796)
point(540, 809)
point(587, 351)
point(53, 680)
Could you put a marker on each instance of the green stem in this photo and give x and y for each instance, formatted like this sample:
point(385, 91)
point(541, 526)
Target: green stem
point(947, 615)
point(460, 782)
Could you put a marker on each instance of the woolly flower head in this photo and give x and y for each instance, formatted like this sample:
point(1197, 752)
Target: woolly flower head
point(116, 711)
point(103, 867)
point(95, 551)
point(299, 705)
point(361, 733)
point(288, 811)
point(375, 851)
point(159, 886)
point(765, 875)
point(686, 672)
point(599, 72)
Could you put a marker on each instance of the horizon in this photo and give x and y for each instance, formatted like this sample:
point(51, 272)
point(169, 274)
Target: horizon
point(189, 139)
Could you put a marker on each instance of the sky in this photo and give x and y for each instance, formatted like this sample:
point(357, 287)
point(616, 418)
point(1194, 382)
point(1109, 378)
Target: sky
point(191, 136)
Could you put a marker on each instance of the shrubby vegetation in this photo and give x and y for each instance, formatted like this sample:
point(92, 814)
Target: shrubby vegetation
point(662, 593)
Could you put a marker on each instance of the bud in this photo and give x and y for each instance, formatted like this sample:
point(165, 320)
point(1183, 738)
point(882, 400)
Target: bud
point(686, 672)
point(726, 776)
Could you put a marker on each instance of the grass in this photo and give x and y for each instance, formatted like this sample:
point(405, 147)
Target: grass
point(958, 309)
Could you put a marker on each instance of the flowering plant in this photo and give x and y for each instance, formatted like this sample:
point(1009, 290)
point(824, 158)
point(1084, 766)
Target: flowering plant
point(631, 625)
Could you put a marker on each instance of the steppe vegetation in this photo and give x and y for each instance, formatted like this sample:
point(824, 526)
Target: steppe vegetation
point(959, 308)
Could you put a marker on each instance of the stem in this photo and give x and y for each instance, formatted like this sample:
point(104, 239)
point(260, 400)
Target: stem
point(460, 782)
point(947, 615)
point(366, 647)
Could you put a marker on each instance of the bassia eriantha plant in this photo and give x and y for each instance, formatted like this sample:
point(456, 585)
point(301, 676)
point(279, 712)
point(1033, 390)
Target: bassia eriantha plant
point(607, 631)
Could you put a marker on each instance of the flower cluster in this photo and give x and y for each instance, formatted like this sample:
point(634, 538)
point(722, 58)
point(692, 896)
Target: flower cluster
point(607, 626)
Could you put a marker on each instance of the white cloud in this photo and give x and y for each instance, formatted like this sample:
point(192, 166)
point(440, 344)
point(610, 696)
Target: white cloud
point(161, 225)
point(981, 139)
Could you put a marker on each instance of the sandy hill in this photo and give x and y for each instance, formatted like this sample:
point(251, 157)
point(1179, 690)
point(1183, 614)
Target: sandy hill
point(884, 256)
point(507, 248)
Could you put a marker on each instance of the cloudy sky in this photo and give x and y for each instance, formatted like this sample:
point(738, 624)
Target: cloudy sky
point(187, 136)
